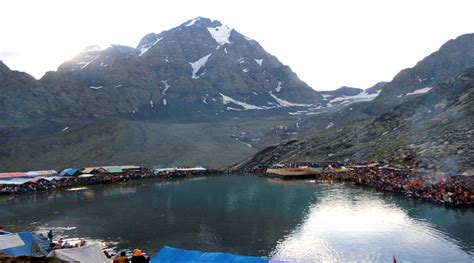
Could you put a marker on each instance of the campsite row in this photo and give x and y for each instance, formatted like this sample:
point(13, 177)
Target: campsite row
point(452, 190)
point(23, 182)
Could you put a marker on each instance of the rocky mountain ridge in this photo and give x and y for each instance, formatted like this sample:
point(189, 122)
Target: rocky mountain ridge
point(201, 67)
point(433, 130)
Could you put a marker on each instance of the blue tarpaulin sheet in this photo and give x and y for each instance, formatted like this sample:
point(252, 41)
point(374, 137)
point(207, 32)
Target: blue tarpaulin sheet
point(25, 250)
point(69, 172)
point(34, 245)
point(169, 254)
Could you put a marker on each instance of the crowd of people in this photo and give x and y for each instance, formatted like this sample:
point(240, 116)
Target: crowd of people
point(137, 256)
point(102, 178)
point(450, 190)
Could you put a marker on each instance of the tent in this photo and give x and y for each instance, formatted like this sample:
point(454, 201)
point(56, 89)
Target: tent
point(42, 173)
point(163, 170)
point(23, 244)
point(20, 181)
point(169, 254)
point(89, 253)
point(12, 175)
point(86, 175)
point(113, 169)
point(88, 170)
point(69, 172)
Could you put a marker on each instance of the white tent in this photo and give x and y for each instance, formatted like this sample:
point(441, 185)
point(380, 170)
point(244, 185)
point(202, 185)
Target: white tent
point(89, 253)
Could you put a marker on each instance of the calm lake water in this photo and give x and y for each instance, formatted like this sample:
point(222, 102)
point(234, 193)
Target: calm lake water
point(297, 221)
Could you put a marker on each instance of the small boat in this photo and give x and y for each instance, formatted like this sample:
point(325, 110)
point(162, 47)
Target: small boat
point(293, 173)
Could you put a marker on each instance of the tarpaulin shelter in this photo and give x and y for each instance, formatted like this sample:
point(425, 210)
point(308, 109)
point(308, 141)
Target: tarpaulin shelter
point(114, 169)
point(69, 172)
point(88, 253)
point(192, 169)
point(42, 173)
point(89, 170)
point(24, 244)
point(121, 168)
point(86, 175)
point(16, 181)
point(12, 175)
point(163, 170)
point(20, 181)
point(169, 254)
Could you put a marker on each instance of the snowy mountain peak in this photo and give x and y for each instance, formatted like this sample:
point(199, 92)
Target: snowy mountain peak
point(200, 22)
point(93, 48)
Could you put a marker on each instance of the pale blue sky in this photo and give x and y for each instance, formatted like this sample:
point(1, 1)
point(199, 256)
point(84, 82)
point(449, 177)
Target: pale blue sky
point(327, 43)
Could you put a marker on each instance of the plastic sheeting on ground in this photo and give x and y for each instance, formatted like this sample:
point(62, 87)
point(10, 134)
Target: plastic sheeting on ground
point(23, 244)
point(89, 253)
point(169, 254)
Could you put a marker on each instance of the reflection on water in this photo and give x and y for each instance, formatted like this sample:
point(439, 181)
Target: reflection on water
point(343, 228)
point(296, 221)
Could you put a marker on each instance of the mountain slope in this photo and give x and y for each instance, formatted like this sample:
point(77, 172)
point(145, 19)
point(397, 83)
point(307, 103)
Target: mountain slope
point(62, 143)
point(451, 59)
point(433, 130)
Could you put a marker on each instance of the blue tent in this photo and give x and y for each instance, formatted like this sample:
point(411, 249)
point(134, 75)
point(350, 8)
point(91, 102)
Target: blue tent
point(169, 254)
point(34, 245)
point(69, 172)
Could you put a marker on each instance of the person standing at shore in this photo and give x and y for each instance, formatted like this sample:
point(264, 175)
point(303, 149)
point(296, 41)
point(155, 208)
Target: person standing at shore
point(50, 236)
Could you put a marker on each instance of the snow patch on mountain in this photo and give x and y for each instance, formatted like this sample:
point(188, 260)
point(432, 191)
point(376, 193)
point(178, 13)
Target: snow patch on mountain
point(165, 102)
point(279, 87)
point(167, 86)
point(284, 103)
point(87, 63)
point(330, 125)
point(259, 61)
point(92, 49)
point(247, 144)
point(419, 91)
point(220, 34)
point(190, 23)
point(245, 70)
point(234, 109)
point(226, 100)
point(363, 96)
point(145, 47)
point(198, 64)
point(151, 104)
point(96, 87)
